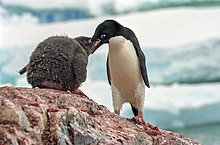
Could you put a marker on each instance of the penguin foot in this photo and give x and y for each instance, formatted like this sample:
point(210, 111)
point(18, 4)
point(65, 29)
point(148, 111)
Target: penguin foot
point(139, 119)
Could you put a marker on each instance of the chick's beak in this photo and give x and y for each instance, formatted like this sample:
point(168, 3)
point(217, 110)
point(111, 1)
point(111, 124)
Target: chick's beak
point(96, 45)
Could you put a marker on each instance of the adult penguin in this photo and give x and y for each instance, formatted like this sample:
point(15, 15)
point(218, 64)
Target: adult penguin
point(126, 67)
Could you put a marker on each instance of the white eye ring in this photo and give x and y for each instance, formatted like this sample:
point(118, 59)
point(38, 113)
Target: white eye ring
point(103, 36)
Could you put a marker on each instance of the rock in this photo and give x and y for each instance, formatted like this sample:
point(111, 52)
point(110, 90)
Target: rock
point(45, 116)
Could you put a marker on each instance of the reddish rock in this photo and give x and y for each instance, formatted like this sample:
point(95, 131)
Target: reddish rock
point(45, 116)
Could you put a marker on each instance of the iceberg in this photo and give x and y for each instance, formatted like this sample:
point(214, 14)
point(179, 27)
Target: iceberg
point(193, 63)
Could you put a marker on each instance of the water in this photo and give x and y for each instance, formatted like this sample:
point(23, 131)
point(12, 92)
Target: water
point(206, 134)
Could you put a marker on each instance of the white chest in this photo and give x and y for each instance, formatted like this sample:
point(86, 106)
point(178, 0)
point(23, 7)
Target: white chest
point(124, 66)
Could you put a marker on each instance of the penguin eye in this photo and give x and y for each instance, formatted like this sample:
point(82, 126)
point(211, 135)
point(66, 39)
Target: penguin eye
point(103, 36)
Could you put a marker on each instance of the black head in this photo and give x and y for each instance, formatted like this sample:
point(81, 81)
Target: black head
point(87, 44)
point(106, 30)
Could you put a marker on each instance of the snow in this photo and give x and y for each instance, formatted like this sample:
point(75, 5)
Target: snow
point(163, 28)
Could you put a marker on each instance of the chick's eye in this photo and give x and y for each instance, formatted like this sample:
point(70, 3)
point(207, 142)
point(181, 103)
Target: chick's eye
point(103, 35)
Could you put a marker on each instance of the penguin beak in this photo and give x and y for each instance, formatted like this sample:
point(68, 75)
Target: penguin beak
point(96, 45)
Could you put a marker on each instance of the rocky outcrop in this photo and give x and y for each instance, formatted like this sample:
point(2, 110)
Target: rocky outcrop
point(45, 116)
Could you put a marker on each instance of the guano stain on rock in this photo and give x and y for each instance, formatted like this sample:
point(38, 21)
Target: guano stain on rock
point(47, 116)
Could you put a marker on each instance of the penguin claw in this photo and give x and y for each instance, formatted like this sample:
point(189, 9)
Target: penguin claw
point(139, 119)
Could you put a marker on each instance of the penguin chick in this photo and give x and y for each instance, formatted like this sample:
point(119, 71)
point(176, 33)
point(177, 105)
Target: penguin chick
point(59, 62)
point(126, 67)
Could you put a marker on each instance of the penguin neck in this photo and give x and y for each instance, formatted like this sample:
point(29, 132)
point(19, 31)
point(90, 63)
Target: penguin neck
point(116, 44)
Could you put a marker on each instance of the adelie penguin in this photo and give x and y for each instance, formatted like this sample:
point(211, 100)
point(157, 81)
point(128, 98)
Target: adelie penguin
point(126, 66)
point(59, 62)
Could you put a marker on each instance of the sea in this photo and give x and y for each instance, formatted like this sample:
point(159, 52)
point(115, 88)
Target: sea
point(180, 39)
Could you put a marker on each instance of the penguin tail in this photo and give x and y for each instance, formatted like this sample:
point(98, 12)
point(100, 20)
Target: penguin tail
point(23, 70)
point(134, 110)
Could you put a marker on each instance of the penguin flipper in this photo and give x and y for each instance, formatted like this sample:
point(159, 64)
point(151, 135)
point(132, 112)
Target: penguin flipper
point(140, 54)
point(108, 72)
point(142, 62)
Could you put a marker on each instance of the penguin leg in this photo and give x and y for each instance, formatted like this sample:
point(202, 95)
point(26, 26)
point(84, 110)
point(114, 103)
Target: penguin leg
point(117, 100)
point(139, 104)
point(134, 110)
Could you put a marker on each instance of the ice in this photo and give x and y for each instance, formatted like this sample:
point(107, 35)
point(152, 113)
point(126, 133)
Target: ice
point(193, 63)
point(47, 4)
point(164, 28)
point(25, 19)
point(167, 106)
point(179, 44)
point(100, 7)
